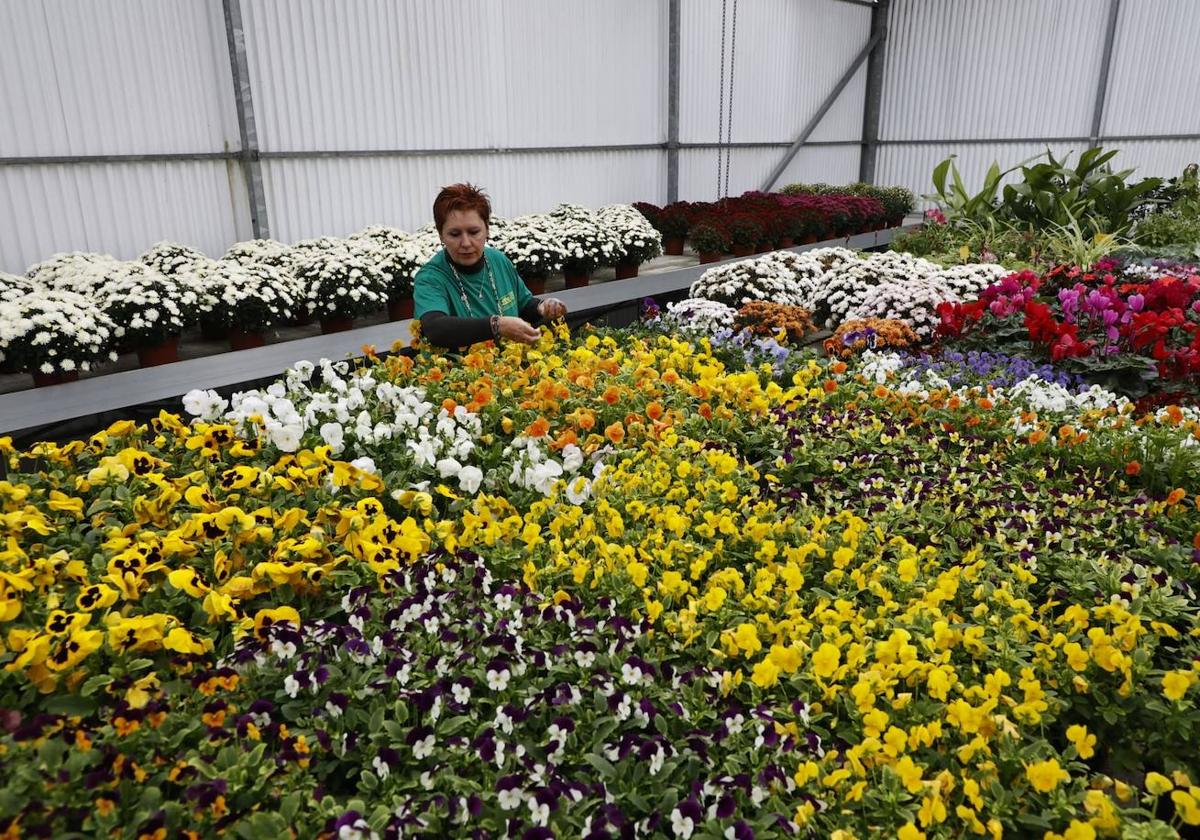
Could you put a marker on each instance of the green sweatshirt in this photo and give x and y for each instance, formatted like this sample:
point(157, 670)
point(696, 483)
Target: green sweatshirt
point(435, 288)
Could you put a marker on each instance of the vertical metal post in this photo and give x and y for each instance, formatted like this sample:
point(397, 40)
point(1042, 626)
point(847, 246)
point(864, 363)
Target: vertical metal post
point(874, 95)
point(672, 101)
point(243, 97)
point(1110, 37)
point(821, 112)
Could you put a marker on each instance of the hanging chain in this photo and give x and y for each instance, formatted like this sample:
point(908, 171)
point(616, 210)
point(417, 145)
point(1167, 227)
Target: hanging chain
point(729, 124)
point(721, 102)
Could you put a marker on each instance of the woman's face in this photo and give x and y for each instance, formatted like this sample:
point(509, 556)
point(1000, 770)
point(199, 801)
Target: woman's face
point(464, 234)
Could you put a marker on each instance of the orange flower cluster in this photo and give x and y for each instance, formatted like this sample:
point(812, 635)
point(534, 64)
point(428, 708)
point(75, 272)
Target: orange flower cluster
point(853, 337)
point(764, 318)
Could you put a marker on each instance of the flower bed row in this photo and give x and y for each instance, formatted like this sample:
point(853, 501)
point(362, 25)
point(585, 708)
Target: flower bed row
point(612, 584)
point(76, 311)
point(757, 221)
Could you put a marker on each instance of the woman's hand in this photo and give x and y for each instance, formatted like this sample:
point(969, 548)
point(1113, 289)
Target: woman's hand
point(518, 329)
point(551, 309)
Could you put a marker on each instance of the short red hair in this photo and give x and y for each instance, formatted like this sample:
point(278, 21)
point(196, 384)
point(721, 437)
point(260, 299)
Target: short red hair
point(462, 197)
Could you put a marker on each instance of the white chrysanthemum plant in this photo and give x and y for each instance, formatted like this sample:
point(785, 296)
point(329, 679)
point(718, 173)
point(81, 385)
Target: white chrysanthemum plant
point(77, 271)
point(13, 287)
point(531, 243)
point(250, 297)
point(172, 258)
point(586, 244)
point(398, 264)
point(808, 274)
point(146, 306)
point(635, 238)
point(267, 251)
point(381, 236)
point(735, 284)
point(341, 279)
point(51, 331)
point(914, 302)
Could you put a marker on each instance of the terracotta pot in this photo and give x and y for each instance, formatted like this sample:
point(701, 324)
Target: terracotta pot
point(673, 247)
point(400, 309)
point(744, 252)
point(335, 325)
point(787, 242)
point(577, 281)
point(159, 354)
point(246, 339)
point(809, 238)
point(536, 283)
point(626, 270)
point(303, 320)
point(709, 257)
point(895, 221)
point(213, 332)
point(44, 380)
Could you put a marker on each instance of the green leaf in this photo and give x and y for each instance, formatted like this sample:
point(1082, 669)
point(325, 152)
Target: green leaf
point(71, 704)
point(92, 684)
point(603, 766)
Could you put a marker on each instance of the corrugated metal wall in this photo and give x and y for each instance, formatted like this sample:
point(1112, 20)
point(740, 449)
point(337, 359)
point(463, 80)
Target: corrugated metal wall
point(130, 78)
point(787, 56)
point(153, 77)
point(986, 70)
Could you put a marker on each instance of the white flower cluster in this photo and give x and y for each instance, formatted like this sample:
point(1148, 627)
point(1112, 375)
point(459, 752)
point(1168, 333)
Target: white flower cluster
point(531, 242)
point(735, 284)
point(341, 278)
point(586, 243)
point(382, 236)
point(14, 287)
point(262, 251)
point(533, 468)
point(636, 239)
point(54, 331)
point(838, 285)
point(377, 426)
point(171, 258)
point(145, 305)
point(699, 316)
point(249, 296)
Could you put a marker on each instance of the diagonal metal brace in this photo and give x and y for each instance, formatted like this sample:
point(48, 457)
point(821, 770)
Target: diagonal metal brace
point(862, 56)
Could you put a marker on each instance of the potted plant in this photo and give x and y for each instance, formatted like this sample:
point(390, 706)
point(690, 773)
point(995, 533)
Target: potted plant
point(341, 282)
point(745, 232)
point(54, 335)
point(585, 244)
point(673, 225)
point(247, 299)
point(534, 247)
point(635, 239)
point(149, 310)
point(380, 236)
point(710, 239)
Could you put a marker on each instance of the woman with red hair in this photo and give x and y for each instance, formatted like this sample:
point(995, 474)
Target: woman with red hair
point(469, 292)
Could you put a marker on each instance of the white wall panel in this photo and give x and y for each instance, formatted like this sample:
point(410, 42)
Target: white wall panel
point(337, 196)
point(788, 56)
point(130, 77)
point(912, 165)
point(377, 74)
point(749, 167)
point(1157, 158)
point(1154, 86)
point(971, 69)
point(119, 209)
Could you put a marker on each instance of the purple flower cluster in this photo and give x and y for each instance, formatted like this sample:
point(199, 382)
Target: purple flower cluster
point(978, 367)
